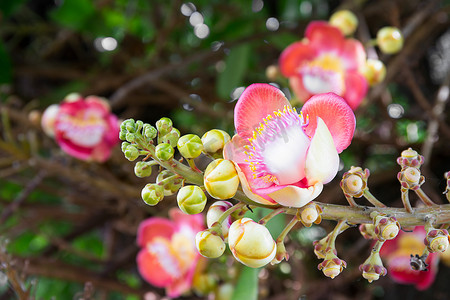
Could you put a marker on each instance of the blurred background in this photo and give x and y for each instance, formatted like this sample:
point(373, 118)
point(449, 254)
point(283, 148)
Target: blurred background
point(68, 227)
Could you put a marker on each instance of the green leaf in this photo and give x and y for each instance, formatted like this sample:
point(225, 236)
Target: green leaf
point(5, 66)
point(236, 65)
point(74, 14)
point(7, 7)
point(246, 285)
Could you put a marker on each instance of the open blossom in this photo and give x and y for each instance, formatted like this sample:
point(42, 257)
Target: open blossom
point(325, 62)
point(283, 157)
point(168, 257)
point(83, 128)
point(397, 255)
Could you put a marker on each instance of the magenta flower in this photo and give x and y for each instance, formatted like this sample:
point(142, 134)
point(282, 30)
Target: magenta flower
point(325, 62)
point(83, 128)
point(397, 254)
point(282, 157)
point(168, 257)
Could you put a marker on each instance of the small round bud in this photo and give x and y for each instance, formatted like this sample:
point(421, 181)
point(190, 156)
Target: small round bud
point(172, 186)
point(152, 194)
point(332, 266)
point(209, 245)
point(251, 243)
point(411, 175)
point(354, 182)
point(129, 125)
point(367, 231)
point(124, 146)
point(164, 152)
point(437, 240)
point(410, 158)
point(149, 131)
point(48, 119)
point(139, 125)
point(309, 214)
point(130, 137)
point(221, 179)
point(214, 140)
point(345, 20)
point(374, 71)
point(215, 211)
point(171, 138)
point(272, 72)
point(123, 135)
point(373, 267)
point(191, 199)
point(131, 153)
point(164, 126)
point(385, 228)
point(143, 169)
point(190, 146)
point(390, 40)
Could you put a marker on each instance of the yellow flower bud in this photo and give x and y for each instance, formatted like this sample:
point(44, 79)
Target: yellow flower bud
point(332, 266)
point(437, 240)
point(190, 146)
point(390, 40)
point(209, 245)
point(385, 228)
point(214, 213)
point(373, 267)
point(251, 243)
point(164, 126)
point(345, 20)
point(374, 71)
point(152, 194)
point(412, 175)
point(221, 179)
point(191, 199)
point(272, 72)
point(214, 140)
point(164, 152)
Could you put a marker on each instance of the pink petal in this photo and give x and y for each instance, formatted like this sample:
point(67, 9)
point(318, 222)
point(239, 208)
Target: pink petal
point(336, 114)
point(324, 37)
point(150, 268)
point(196, 222)
point(72, 149)
point(154, 227)
point(257, 102)
point(112, 134)
point(98, 103)
point(356, 89)
point(183, 283)
point(234, 150)
point(296, 83)
point(353, 54)
point(294, 56)
point(427, 278)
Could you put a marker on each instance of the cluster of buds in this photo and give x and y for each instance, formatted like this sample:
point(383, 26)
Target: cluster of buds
point(385, 227)
point(373, 267)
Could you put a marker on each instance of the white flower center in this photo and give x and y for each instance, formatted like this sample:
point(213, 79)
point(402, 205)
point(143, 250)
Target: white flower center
point(86, 131)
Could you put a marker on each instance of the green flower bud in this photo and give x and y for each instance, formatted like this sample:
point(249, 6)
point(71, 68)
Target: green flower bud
point(191, 199)
point(214, 140)
point(129, 125)
point(124, 146)
point(164, 126)
point(149, 131)
point(130, 137)
point(131, 153)
point(122, 135)
point(172, 186)
point(164, 152)
point(345, 20)
point(390, 40)
point(143, 169)
point(190, 146)
point(152, 194)
point(139, 125)
point(171, 138)
point(374, 71)
point(209, 244)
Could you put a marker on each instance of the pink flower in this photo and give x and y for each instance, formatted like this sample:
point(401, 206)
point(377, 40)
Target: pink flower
point(83, 128)
point(282, 157)
point(168, 257)
point(325, 62)
point(397, 254)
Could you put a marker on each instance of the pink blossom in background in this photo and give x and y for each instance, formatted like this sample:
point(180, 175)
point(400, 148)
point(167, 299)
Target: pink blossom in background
point(84, 128)
point(282, 157)
point(169, 257)
point(325, 61)
point(397, 253)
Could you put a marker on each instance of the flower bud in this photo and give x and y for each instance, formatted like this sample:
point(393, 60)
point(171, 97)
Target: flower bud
point(171, 138)
point(130, 137)
point(164, 126)
point(215, 211)
point(354, 182)
point(221, 179)
point(48, 119)
point(143, 169)
point(410, 158)
point(345, 20)
point(437, 240)
point(374, 71)
point(367, 231)
point(171, 186)
point(203, 283)
point(164, 152)
point(124, 146)
point(191, 199)
point(390, 40)
point(320, 247)
point(332, 266)
point(131, 152)
point(251, 243)
point(410, 178)
point(214, 140)
point(272, 72)
point(128, 125)
point(190, 146)
point(152, 194)
point(373, 267)
point(149, 131)
point(386, 228)
point(310, 213)
point(209, 244)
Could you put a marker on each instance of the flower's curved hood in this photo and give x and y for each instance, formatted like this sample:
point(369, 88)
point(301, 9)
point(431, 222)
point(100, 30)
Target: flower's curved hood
point(325, 62)
point(283, 157)
point(168, 256)
point(397, 254)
